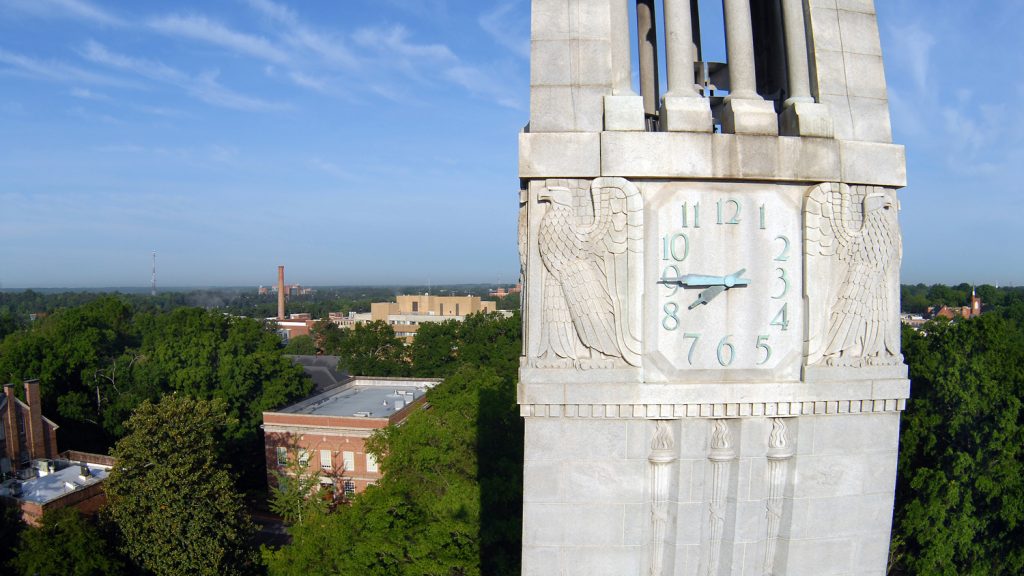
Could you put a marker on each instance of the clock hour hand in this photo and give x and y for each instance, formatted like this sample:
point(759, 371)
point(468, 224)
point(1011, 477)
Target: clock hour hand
point(707, 295)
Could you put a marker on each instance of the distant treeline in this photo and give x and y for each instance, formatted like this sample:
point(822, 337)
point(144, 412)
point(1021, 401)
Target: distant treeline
point(917, 298)
point(17, 308)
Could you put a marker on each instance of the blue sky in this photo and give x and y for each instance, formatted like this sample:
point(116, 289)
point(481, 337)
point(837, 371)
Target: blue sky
point(374, 141)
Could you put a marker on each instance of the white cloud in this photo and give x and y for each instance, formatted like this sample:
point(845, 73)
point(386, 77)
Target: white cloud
point(330, 48)
point(75, 9)
point(307, 81)
point(509, 25)
point(913, 49)
point(393, 40)
point(86, 94)
point(483, 84)
point(328, 167)
point(56, 71)
point(202, 29)
point(203, 87)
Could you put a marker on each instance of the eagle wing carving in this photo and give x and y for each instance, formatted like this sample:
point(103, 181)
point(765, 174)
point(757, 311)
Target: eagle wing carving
point(588, 242)
point(853, 249)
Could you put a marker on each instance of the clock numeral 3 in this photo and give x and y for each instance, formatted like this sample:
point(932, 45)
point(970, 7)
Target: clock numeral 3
point(782, 318)
point(671, 320)
point(785, 283)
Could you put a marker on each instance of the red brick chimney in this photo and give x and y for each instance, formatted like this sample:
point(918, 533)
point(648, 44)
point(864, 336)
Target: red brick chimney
point(10, 420)
point(280, 292)
point(34, 432)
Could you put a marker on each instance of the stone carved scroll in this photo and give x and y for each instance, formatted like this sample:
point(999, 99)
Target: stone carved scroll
point(780, 453)
point(590, 242)
point(661, 458)
point(722, 453)
point(852, 248)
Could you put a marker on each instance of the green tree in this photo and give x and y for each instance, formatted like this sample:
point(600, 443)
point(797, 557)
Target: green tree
point(328, 337)
point(301, 345)
point(65, 544)
point(296, 495)
point(960, 488)
point(10, 527)
point(371, 349)
point(172, 497)
point(433, 351)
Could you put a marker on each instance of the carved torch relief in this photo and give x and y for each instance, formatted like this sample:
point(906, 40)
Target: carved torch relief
point(589, 240)
point(853, 249)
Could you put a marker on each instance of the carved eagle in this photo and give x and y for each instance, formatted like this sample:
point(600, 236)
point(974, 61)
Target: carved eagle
point(589, 289)
point(853, 250)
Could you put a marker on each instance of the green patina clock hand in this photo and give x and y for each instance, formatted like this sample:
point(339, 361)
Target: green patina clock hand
point(694, 280)
point(726, 282)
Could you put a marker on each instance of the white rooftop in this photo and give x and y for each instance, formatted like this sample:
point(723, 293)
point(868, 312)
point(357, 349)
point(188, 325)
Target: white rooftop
point(366, 398)
point(49, 486)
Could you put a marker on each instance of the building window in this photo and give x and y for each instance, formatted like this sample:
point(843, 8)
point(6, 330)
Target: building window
point(282, 456)
point(371, 463)
point(350, 487)
point(456, 309)
point(303, 457)
point(325, 460)
point(349, 461)
point(415, 306)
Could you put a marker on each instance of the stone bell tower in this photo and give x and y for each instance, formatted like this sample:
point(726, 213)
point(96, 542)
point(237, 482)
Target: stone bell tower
point(711, 375)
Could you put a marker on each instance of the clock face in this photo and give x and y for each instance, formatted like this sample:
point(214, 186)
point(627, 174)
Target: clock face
point(724, 286)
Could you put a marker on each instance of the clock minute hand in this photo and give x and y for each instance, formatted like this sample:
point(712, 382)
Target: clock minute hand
point(695, 280)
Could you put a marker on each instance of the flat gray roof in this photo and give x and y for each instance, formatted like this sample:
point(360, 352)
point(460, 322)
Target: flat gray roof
point(53, 485)
point(366, 398)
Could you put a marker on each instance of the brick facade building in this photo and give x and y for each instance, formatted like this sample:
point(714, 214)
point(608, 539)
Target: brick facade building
point(327, 432)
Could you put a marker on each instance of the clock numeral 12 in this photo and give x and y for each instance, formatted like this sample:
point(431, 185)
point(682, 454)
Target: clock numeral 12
point(735, 215)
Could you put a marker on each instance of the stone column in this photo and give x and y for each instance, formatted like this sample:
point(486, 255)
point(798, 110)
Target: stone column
point(623, 109)
point(801, 116)
point(745, 111)
point(647, 48)
point(661, 460)
point(780, 451)
point(682, 108)
point(722, 454)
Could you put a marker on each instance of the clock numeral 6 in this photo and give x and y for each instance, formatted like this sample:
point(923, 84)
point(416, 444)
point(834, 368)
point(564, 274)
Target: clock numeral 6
point(762, 343)
point(671, 320)
point(723, 345)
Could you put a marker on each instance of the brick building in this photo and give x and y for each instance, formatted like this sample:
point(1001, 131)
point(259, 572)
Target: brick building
point(327, 431)
point(33, 476)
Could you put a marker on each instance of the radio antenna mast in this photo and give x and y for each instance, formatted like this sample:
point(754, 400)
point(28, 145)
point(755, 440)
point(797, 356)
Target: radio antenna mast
point(152, 289)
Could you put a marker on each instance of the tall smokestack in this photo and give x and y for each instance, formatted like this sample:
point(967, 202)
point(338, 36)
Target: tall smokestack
point(280, 292)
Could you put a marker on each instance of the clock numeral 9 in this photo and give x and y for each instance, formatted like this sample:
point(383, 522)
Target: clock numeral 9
point(670, 247)
point(670, 272)
point(671, 320)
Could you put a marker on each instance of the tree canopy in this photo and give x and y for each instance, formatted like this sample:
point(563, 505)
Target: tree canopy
point(65, 544)
point(172, 496)
point(960, 489)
